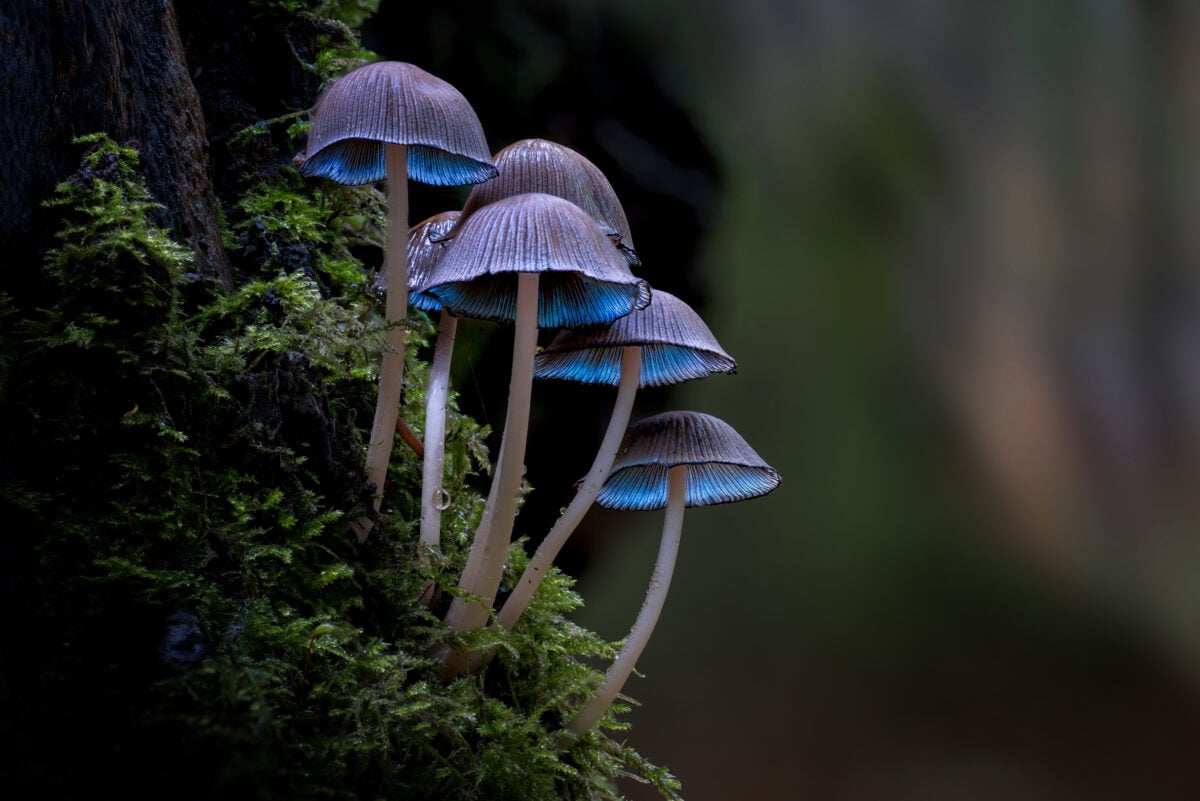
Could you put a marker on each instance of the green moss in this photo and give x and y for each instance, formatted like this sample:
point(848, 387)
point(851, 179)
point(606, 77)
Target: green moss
point(322, 224)
point(202, 621)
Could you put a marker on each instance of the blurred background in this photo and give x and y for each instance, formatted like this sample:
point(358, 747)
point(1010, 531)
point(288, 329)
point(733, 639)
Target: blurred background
point(954, 249)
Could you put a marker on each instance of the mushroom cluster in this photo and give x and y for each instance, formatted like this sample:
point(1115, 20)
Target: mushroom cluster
point(541, 242)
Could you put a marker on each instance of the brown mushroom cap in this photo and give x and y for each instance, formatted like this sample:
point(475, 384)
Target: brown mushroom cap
point(584, 280)
point(722, 467)
point(391, 102)
point(676, 346)
point(539, 165)
point(424, 248)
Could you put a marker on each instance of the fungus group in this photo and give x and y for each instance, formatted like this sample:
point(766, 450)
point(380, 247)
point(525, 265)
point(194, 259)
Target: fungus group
point(541, 242)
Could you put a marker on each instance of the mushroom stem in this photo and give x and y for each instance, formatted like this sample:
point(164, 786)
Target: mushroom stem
point(485, 563)
point(656, 594)
point(391, 370)
point(434, 465)
point(568, 521)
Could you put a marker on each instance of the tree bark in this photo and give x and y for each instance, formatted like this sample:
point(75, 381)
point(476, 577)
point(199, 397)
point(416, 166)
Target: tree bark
point(70, 68)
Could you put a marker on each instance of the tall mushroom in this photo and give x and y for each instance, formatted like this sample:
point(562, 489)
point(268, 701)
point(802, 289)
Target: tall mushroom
point(389, 121)
point(665, 343)
point(672, 460)
point(424, 249)
point(536, 260)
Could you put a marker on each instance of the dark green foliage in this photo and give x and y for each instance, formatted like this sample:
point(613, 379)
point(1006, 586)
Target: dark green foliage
point(192, 616)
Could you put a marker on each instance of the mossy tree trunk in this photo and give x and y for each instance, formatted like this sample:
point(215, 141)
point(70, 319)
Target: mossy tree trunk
point(187, 347)
point(118, 66)
point(129, 446)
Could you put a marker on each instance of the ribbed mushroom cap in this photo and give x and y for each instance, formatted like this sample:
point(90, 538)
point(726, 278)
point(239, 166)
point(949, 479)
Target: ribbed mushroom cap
point(722, 468)
point(676, 346)
point(538, 165)
point(424, 250)
point(583, 279)
point(397, 103)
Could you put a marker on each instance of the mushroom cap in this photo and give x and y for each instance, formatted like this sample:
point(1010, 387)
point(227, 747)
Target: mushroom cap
point(425, 247)
point(539, 165)
point(676, 346)
point(391, 102)
point(583, 279)
point(722, 468)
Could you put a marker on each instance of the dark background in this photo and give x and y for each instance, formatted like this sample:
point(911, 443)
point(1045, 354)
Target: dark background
point(953, 248)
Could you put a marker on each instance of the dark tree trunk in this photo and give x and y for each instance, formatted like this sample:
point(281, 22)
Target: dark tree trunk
point(73, 67)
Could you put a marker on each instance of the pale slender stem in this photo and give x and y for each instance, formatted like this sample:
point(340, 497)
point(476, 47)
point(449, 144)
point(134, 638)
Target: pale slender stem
point(485, 563)
point(434, 464)
point(391, 370)
point(568, 521)
point(643, 627)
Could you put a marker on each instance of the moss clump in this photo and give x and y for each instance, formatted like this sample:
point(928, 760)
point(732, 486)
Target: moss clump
point(312, 231)
point(191, 616)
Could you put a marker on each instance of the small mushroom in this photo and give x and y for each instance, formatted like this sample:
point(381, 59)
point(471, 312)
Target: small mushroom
point(672, 460)
point(389, 121)
point(539, 165)
point(665, 343)
point(536, 260)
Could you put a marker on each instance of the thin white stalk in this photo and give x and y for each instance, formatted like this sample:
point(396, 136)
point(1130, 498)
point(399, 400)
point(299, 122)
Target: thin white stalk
point(433, 468)
point(568, 521)
point(391, 370)
point(643, 627)
point(485, 563)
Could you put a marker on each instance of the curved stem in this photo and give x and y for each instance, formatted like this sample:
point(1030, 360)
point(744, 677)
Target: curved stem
point(643, 627)
point(568, 521)
point(485, 563)
point(433, 474)
point(391, 370)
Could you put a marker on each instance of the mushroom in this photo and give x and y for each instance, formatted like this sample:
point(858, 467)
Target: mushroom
point(539, 165)
point(665, 343)
point(423, 252)
point(528, 165)
point(389, 121)
point(536, 260)
point(673, 460)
